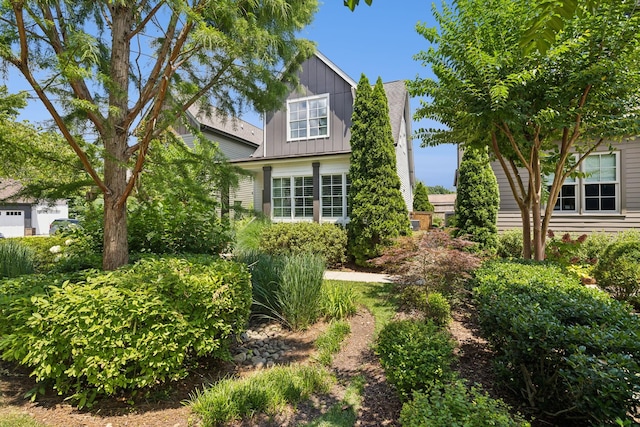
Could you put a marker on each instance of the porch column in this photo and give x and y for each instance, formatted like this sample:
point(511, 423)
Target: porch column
point(266, 191)
point(316, 191)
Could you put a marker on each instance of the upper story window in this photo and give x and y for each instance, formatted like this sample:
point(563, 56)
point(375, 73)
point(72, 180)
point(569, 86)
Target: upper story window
point(308, 118)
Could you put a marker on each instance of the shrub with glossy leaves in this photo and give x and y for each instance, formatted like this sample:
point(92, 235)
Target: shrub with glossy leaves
point(618, 270)
point(98, 333)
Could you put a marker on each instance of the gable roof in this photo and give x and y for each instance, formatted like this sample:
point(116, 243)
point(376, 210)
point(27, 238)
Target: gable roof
point(336, 69)
point(231, 126)
point(397, 98)
point(9, 188)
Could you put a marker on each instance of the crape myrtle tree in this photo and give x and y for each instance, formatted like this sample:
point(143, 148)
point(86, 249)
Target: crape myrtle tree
point(421, 198)
point(540, 113)
point(127, 70)
point(378, 211)
point(477, 200)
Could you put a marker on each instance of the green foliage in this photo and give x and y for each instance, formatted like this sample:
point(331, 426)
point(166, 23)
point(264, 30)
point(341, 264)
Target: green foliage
point(510, 244)
point(300, 287)
point(344, 413)
point(266, 271)
point(456, 405)
point(98, 333)
point(439, 189)
point(338, 300)
point(477, 200)
point(18, 420)
point(44, 257)
point(618, 270)
point(330, 341)
point(437, 309)
point(267, 391)
point(416, 356)
point(15, 258)
point(248, 232)
point(326, 240)
point(421, 198)
point(567, 349)
point(378, 212)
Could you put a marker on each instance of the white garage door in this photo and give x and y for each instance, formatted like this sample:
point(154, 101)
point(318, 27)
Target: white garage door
point(12, 223)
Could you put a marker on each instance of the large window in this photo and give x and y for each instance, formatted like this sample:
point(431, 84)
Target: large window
point(288, 204)
point(308, 118)
point(597, 191)
point(334, 191)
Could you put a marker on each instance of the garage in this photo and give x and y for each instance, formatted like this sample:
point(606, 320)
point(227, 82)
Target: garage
point(12, 223)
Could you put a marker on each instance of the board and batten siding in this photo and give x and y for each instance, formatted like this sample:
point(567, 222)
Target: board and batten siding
point(317, 78)
point(629, 186)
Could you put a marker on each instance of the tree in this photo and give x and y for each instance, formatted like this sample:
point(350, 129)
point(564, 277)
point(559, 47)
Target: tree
point(478, 200)
point(351, 4)
point(541, 114)
point(128, 70)
point(439, 189)
point(378, 211)
point(421, 198)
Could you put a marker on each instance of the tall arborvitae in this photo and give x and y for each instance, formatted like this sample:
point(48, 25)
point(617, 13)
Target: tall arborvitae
point(478, 200)
point(421, 201)
point(378, 211)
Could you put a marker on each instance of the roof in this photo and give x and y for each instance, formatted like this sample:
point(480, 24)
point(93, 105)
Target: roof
point(232, 126)
point(9, 188)
point(397, 97)
point(442, 199)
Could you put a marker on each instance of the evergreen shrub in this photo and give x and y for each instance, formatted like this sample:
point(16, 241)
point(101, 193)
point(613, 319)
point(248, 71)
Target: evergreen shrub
point(97, 333)
point(570, 350)
point(618, 270)
point(510, 244)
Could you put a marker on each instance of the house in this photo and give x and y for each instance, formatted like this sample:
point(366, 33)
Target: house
point(443, 205)
point(606, 199)
point(24, 217)
point(300, 169)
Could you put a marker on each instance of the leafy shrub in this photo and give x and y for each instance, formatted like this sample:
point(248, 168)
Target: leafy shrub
point(564, 251)
point(433, 259)
point(510, 244)
point(265, 391)
point(415, 355)
point(99, 333)
point(299, 293)
point(568, 349)
point(44, 258)
point(618, 270)
point(326, 240)
point(437, 309)
point(337, 300)
point(421, 198)
point(248, 232)
point(456, 405)
point(15, 258)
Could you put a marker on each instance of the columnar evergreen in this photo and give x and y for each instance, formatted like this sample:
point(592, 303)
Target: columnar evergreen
point(378, 211)
point(478, 200)
point(421, 198)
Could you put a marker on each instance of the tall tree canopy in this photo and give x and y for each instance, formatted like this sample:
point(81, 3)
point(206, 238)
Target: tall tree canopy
point(535, 110)
point(127, 70)
point(378, 211)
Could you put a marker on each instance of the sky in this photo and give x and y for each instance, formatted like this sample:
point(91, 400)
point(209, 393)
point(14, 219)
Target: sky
point(378, 40)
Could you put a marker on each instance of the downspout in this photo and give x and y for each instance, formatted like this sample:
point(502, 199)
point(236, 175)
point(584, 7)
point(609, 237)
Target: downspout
point(264, 134)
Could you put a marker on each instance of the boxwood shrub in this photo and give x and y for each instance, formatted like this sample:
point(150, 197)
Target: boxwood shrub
point(570, 350)
point(327, 240)
point(96, 333)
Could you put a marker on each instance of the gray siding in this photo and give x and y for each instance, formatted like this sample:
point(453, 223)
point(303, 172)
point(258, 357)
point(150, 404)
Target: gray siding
point(231, 148)
point(317, 78)
point(627, 218)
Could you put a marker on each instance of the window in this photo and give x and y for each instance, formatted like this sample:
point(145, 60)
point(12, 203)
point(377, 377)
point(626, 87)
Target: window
point(292, 204)
point(597, 191)
point(308, 118)
point(334, 191)
point(14, 213)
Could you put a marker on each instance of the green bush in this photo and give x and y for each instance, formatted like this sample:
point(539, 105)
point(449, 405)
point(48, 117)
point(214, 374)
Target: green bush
point(456, 405)
point(421, 198)
point(618, 270)
point(510, 244)
point(44, 257)
point(248, 232)
point(568, 349)
point(15, 258)
point(437, 309)
point(299, 293)
point(415, 355)
point(337, 300)
point(99, 333)
point(326, 240)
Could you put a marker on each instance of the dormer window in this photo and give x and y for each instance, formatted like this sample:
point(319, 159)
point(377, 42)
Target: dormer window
point(308, 118)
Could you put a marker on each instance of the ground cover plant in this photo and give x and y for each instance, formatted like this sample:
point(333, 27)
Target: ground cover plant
point(571, 351)
point(97, 333)
point(329, 342)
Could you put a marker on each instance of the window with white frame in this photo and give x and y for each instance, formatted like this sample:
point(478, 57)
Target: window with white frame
point(292, 197)
point(308, 118)
point(334, 191)
point(598, 189)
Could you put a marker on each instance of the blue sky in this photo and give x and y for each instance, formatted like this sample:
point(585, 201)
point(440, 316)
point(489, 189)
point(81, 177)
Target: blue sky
point(377, 40)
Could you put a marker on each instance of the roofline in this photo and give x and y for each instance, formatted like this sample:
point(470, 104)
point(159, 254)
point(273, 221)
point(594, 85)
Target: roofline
point(335, 68)
point(202, 126)
point(254, 160)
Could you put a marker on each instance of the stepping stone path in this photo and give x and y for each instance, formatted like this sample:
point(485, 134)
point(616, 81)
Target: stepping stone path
point(262, 346)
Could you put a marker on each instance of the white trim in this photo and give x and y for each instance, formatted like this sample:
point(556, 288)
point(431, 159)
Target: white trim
point(337, 69)
point(308, 136)
point(344, 197)
point(584, 182)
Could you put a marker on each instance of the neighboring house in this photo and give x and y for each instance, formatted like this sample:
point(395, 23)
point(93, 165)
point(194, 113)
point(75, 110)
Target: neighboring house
point(443, 204)
point(606, 199)
point(236, 138)
point(300, 170)
point(22, 217)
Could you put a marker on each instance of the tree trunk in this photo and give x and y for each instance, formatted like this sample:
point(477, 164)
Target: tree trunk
point(538, 237)
point(526, 232)
point(116, 249)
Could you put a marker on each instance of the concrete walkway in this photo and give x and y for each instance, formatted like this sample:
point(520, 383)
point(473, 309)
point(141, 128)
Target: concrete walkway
point(356, 276)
